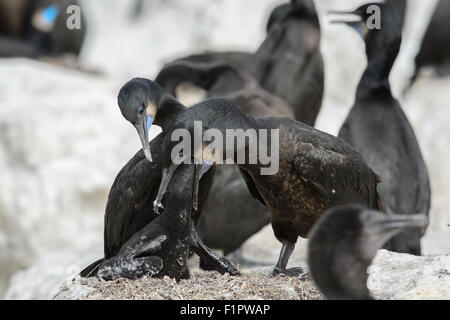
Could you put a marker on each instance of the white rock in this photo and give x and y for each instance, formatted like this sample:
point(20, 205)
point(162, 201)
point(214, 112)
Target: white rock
point(402, 276)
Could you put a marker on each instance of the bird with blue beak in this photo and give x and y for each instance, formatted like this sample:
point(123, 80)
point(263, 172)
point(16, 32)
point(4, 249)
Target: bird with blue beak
point(139, 101)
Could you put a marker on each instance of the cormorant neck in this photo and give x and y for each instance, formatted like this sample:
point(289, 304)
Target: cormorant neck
point(168, 110)
point(381, 51)
point(221, 78)
point(225, 80)
point(349, 280)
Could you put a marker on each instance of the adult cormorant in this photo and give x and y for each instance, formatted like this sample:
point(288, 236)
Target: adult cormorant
point(288, 63)
point(380, 131)
point(315, 170)
point(343, 243)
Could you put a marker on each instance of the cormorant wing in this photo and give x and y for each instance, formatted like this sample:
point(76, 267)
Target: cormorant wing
point(251, 186)
point(129, 207)
point(333, 175)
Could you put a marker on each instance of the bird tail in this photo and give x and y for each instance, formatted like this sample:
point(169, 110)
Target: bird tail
point(91, 270)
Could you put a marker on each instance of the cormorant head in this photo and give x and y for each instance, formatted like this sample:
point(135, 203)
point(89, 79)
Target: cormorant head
point(370, 18)
point(140, 100)
point(297, 8)
point(343, 244)
point(379, 26)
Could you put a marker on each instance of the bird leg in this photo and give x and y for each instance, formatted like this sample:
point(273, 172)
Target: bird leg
point(166, 177)
point(285, 254)
point(209, 260)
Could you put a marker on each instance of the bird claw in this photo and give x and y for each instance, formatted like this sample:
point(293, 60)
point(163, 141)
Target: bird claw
point(157, 206)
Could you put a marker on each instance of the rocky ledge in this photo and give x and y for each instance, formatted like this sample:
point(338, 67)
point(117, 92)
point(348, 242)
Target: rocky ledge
point(392, 276)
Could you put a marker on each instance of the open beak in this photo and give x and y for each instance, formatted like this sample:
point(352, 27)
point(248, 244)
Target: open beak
point(351, 19)
point(404, 221)
point(143, 129)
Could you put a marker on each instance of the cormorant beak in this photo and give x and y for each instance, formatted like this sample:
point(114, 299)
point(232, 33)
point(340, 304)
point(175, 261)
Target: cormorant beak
point(351, 19)
point(165, 180)
point(403, 221)
point(143, 129)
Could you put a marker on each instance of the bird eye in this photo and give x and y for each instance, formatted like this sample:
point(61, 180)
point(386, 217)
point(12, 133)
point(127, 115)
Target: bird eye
point(141, 110)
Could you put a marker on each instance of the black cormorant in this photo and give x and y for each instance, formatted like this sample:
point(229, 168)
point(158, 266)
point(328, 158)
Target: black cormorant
point(343, 243)
point(315, 170)
point(380, 131)
point(289, 64)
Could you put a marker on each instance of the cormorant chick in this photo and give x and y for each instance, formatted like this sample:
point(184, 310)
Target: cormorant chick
point(161, 248)
point(343, 244)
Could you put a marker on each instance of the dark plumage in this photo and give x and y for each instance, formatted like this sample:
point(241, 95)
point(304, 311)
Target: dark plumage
point(224, 81)
point(130, 202)
point(240, 60)
point(161, 248)
point(399, 7)
point(343, 244)
point(380, 131)
point(316, 170)
point(435, 47)
point(38, 28)
point(230, 215)
point(289, 64)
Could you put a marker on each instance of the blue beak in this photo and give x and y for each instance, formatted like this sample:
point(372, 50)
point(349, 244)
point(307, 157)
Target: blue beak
point(149, 124)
